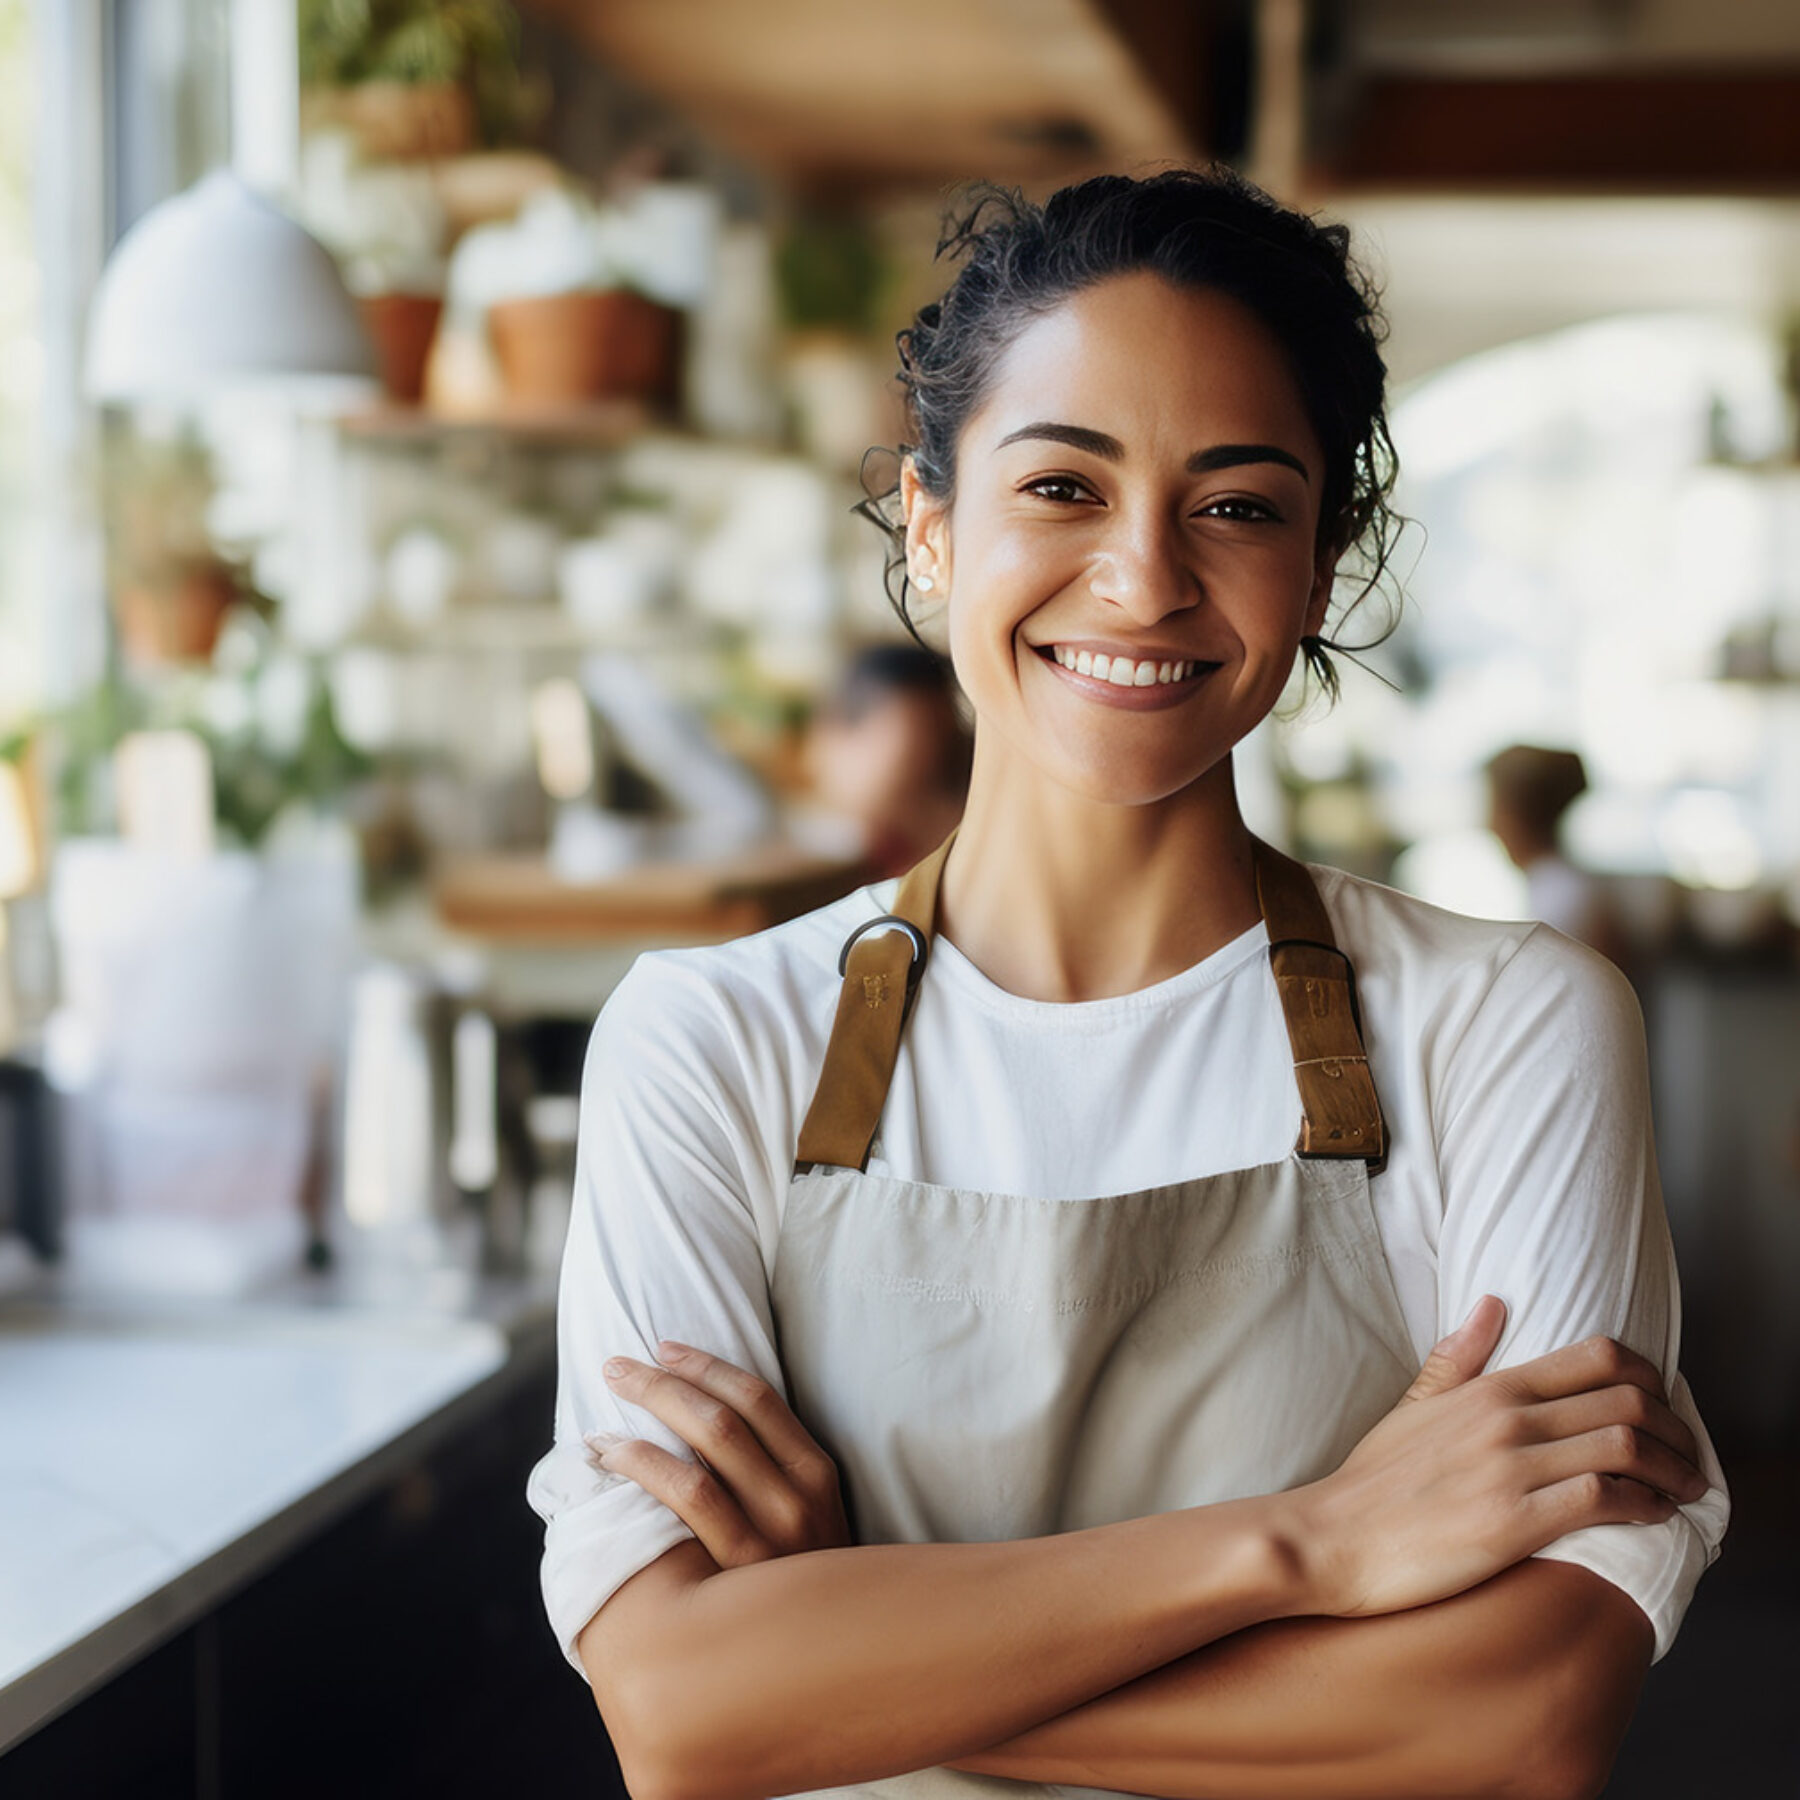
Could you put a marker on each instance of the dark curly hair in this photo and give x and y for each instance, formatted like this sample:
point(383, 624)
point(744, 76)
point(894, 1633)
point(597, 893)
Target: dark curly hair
point(1197, 228)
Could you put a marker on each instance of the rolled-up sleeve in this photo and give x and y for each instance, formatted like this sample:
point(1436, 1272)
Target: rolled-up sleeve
point(1552, 1201)
point(662, 1244)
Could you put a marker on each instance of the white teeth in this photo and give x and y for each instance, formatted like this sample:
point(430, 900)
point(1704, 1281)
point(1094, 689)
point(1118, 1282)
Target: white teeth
point(1121, 671)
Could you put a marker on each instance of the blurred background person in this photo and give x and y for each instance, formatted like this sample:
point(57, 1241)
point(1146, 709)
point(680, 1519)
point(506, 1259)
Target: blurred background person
point(1530, 788)
point(889, 751)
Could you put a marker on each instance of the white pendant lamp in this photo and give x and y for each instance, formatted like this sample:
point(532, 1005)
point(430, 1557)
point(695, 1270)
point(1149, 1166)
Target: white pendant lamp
point(218, 288)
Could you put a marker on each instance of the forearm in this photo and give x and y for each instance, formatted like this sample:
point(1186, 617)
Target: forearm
point(1521, 1687)
point(849, 1664)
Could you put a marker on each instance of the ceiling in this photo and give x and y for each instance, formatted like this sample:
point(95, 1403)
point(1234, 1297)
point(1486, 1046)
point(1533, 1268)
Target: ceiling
point(832, 94)
point(1426, 95)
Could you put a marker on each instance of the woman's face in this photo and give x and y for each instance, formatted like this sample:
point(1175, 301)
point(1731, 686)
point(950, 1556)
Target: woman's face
point(1137, 496)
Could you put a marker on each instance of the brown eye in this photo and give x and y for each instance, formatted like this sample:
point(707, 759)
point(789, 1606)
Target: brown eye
point(1239, 508)
point(1063, 488)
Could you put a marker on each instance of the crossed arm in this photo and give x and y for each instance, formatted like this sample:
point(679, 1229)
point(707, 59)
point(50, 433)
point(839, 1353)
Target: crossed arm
point(1377, 1634)
point(1522, 1686)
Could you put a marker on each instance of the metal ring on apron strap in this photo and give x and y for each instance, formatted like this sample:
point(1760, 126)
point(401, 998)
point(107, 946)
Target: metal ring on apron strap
point(890, 921)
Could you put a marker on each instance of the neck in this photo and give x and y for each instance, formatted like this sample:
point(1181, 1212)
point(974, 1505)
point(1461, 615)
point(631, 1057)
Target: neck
point(1054, 896)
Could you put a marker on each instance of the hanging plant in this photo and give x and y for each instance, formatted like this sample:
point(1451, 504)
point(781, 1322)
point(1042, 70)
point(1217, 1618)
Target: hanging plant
point(830, 273)
point(416, 77)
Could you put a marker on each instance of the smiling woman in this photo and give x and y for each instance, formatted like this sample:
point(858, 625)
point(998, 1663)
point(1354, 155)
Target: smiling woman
point(1120, 1307)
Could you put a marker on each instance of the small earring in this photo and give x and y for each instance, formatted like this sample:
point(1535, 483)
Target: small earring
point(924, 583)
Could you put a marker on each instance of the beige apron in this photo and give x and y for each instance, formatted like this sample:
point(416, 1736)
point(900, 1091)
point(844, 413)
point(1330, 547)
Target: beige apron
point(989, 1366)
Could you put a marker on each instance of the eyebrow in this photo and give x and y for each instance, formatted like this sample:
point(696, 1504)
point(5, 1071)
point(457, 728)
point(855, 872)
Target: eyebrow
point(1202, 462)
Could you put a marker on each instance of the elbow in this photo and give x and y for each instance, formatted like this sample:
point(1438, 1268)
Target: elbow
point(661, 1697)
point(1564, 1765)
point(1579, 1723)
point(1572, 1771)
point(656, 1760)
point(1571, 1767)
point(649, 1768)
point(1546, 1715)
point(665, 1751)
point(1583, 1723)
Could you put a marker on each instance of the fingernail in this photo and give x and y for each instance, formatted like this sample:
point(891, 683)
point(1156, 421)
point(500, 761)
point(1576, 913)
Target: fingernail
point(599, 1445)
point(670, 1351)
point(616, 1366)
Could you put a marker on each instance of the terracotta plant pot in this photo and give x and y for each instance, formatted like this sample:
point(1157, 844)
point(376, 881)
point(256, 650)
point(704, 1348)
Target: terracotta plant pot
point(558, 348)
point(402, 327)
point(396, 119)
point(178, 622)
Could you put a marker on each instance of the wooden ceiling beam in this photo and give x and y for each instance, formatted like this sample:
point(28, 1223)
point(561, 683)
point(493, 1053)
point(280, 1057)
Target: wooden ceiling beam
point(829, 95)
point(1667, 132)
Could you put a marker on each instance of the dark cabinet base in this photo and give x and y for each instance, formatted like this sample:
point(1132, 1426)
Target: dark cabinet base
point(403, 1652)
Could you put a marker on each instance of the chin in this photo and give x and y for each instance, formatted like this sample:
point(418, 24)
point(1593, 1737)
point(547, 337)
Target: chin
point(1114, 781)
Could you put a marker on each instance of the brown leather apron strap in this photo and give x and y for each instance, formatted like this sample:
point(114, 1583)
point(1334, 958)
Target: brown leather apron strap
point(917, 899)
point(881, 965)
point(1341, 1116)
point(883, 960)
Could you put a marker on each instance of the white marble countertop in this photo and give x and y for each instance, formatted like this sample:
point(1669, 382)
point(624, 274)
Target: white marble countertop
point(153, 1461)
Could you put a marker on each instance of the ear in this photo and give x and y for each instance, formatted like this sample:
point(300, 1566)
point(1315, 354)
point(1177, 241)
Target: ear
point(927, 527)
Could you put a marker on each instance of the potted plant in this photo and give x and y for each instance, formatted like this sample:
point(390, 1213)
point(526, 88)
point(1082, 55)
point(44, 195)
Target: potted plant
point(170, 581)
point(413, 78)
point(561, 292)
point(266, 723)
point(830, 274)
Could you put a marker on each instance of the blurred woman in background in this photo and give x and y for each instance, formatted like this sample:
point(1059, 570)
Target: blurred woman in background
point(890, 752)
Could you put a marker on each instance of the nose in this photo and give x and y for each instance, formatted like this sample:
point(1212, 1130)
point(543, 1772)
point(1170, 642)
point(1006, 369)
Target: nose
point(1145, 571)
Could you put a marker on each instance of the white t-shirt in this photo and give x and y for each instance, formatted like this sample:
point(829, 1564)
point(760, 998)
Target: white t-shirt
point(1510, 1065)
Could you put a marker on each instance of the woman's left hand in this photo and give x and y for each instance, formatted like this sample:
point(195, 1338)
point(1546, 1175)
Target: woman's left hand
point(762, 1488)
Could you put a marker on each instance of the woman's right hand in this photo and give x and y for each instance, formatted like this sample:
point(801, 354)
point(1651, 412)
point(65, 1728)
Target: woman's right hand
point(1471, 1473)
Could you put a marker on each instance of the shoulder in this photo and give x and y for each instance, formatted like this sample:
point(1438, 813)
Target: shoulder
point(1397, 938)
point(1496, 1021)
point(1455, 991)
point(767, 968)
point(712, 1006)
point(1385, 930)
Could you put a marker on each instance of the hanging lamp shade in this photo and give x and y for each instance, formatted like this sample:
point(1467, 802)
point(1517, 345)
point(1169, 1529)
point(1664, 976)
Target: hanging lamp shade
point(214, 288)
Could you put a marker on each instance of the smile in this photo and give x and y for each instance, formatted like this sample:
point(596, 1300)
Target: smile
point(1121, 671)
point(1140, 684)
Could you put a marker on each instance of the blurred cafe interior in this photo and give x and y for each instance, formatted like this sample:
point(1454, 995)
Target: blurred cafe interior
point(430, 434)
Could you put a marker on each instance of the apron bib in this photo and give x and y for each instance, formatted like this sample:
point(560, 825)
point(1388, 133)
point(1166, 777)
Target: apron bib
point(994, 1366)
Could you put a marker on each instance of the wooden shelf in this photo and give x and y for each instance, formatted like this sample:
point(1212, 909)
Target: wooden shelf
point(520, 898)
point(598, 423)
point(485, 630)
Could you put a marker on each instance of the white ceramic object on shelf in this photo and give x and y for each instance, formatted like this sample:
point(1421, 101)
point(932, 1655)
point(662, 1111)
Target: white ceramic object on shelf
point(519, 555)
point(385, 220)
point(422, 571)
point(673, 241)
point(605, 584)
point(733, 342)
